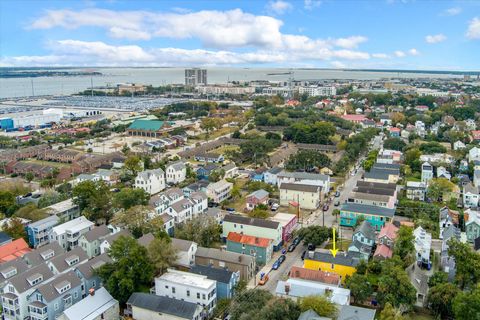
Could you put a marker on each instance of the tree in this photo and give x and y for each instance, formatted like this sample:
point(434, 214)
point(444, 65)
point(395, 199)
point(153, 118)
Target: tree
point(432, 147)
point(467, 263)
point(162, 254)
point(31, 212)
point(394, 285)
point(412, 159)
point(440, 299)
point(307, 160)
point(7, 201)
point(404, 242)
point(279, 309)
point(359, 287)
point(216, 175)
point(203, 230)
point(320, 304)
point(130, 197)
point(94, 199)
point(15, 229)
point(133, 164)
point(29, 176)
point(247, 304)
point(439, 277)
point(390, 313)
point(315, 234)
point(138, 222)
point(208, 124)
point(397, 117)
point(466, 305)
point(438, 187)
point(257, 185)
point(394, 144)
point(49, 198)
point(130, 271)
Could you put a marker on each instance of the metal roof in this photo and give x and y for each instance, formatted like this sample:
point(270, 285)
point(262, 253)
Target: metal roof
point(161, 304)
point(147, 125)
point(366, 209)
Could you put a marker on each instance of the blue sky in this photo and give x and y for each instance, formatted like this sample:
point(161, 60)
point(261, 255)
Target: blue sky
point(302, 33)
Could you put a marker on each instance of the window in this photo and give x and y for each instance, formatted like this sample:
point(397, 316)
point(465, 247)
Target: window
point(333, 266)
point(55, 306)
point(204, 296)
point(75, 294)
point(198, 295)
point(94, 284)
point(188, 293)
point(173, 289)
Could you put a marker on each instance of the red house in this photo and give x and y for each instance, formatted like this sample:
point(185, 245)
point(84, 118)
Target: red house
point(256, 198)
point(288, 222)
point(13, 250)
point(355, 118)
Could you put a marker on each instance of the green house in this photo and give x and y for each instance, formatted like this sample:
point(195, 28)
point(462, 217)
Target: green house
point(377, 216)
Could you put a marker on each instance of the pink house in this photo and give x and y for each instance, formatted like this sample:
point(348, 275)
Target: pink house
point(386, 240)
point(355, 118)
point(288, 222)
point(256, 198)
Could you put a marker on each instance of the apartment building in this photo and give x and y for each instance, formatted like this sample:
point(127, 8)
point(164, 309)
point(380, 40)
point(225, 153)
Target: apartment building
point(152, 181)
point(219, 191)
point(69, 233)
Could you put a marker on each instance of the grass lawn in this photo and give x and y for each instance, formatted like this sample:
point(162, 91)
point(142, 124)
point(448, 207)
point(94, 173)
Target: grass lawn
point(216, 133)
point(342, 244)
point(47, 163)
point(223, 149)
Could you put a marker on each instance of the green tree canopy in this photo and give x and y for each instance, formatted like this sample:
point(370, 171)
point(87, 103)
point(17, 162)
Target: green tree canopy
point(404, 242)
point(440, 299)
point(307, 160)
point(359, 287)
point(315, 234)
point(467, 263)
point(130, 197)
point(94, 199)
point(390, 313)
point(394, 144)
point(15, 229)
point(466, 304)
point(203, 230)
point(131, 270)
point(321, 305)
point(162, 254)
point(394, 285)
point(138, 221)
point(432, 147)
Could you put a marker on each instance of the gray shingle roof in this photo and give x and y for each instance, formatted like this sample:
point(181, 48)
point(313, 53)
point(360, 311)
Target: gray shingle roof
point(366, 209)
point(181, 245)
point(342, 258)
point(259, 194)
point(117, 235)
point(180, 165)
point(304, 175)
point(92, 307)
point(19, 264)
point(377, 185)
point(227, 256)
point(20, 281)
point(49, 290)
point(35, 258)
point(161, 304)
point(60, 262)
point(217, 274)
point(311, 315)
point(377, 174)
point(146, 239)
point(355, 313)
point(97, 233)
point(87, 269)
point(300, 187)
point(366, 229)
point(251, 221)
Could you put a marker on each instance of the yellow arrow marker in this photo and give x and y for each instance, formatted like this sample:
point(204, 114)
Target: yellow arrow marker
point(334, 250)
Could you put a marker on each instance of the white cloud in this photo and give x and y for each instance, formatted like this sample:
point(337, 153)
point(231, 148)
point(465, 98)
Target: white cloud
point(413, 52)
point(350, 42)
point(452, 11)
point(436, 38)
point(279, 6)
point(399, 54)
point(380, 55)
point(311, 4)
point(473, 31)
point(338, 65)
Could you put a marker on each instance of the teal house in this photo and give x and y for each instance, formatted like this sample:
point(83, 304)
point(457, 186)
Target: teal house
point(377, 216)
point(260, 248)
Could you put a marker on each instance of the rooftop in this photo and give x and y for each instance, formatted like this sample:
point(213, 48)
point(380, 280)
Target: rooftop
point(262, 223)
point(147, 125)
point(217, 254)
point(300, 187)
point(91, 307)
point(250, 240)
point(165, 305)
point(13, 250)
point(314, 275)
point(217, 274)
point(342, 258)
point(62, 206)
point(186, 278)
point(304, 175)
point(74, 225)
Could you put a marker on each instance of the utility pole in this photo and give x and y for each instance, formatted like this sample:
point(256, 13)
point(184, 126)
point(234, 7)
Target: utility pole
point(33, 91)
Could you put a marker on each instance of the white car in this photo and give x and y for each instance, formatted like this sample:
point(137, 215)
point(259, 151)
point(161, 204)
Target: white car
point(275, 207)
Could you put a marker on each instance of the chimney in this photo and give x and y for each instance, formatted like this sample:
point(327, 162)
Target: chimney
point(287, 288)
point(239, 258)
point(91, 291)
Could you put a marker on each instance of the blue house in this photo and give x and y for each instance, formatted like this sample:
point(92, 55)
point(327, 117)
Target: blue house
point(204, 172)
point(226, 280)
point(38, 232)
point(86, 272)
point(258, 175)
point(53, 297)
point(200, 185)
point(363, 240)
point(377, 216)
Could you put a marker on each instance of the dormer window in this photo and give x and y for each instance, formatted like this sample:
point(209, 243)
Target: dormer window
point(63, 286)
point(48, 254)
point(35, 279)
point(9, 272)
point(72, 260)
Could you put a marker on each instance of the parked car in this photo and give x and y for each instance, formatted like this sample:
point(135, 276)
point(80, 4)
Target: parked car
point(282, 258)
point(303, 254)
point(311, 247)
point(296, 241)
point(337, 194)
point(275, 207)
point(263, 280)
point(230, 209)
point(291, 247)
point(325, 207)
point(276, 265)
point(337, 203)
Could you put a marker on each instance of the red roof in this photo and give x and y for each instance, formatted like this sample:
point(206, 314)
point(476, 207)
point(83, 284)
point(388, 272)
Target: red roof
point(13, 250)
point(353, 117)
point(421, 107)
point(389, 230)
point(476, 134)
point(251, 240)
point(394, 129)
point(314, 275)
point(383, 251)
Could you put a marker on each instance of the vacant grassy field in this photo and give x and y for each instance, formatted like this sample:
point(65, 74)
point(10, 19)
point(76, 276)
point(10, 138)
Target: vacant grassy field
point(47, 163)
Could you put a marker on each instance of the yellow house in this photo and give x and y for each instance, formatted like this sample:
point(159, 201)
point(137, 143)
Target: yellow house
point(344, 264)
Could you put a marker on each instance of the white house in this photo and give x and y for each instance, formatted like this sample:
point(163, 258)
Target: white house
point(427, 172)
point(416, 190)
point(437, 158)
point(176, 172)
point(188, 287)
point(459, 145)
point(305, 178)
point(470, 196)
point(476, 178)
point(270, 176)
point(231, 170)
point(181, 210)
point(186, 251)
point(219, 191)
point(423, 243)
point(152, 181)
point(162, 201)
point(199, 202)
point(68, 233)
point(474, 154)
point(443, 173)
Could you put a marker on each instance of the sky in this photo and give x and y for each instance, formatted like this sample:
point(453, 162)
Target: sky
point(380, 34)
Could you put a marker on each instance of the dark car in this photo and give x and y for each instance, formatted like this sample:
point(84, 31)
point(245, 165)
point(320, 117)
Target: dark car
point(281, 258)
point(303, 254)
point(325, 207)
point(311, 247)
point(275, 265)
point(296, 241)
point(291, 247)
point(337, 194)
